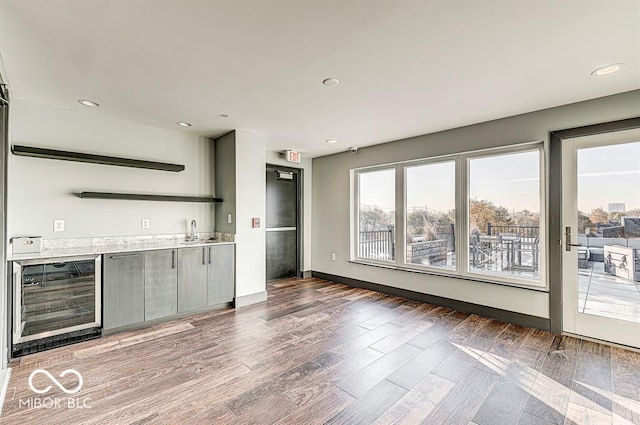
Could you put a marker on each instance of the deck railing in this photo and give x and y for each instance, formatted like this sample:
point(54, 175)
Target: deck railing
point(520, 253)
point(521, 231)
point(377, 244)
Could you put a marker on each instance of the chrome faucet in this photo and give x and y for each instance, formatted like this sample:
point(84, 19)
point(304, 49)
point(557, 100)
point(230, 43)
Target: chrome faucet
point(193, 230)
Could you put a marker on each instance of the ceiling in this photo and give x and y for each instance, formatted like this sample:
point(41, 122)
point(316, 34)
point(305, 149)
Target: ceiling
point(405, 67)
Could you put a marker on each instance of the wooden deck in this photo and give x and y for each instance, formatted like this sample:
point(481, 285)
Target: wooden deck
point(605, 295)
point(318, 352)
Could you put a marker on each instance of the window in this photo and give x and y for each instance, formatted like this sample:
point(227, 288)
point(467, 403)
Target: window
point(475, 215)
point(504, 215)
point(431, 214)
point(376, 214)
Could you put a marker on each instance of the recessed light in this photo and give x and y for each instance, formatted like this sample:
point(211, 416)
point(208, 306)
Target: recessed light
point(332, 141)
point(223, 115)
point(330, 82)
point(607, 69)
point(88, 103)
point(184, 124)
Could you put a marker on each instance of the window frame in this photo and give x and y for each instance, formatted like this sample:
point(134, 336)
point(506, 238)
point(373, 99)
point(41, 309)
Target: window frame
point(542, 272)
point(462, 185)
point(355, 219)
point(455, 159)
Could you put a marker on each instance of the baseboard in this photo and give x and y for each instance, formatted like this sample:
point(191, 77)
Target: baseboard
point(246, 300)
point(481, 310)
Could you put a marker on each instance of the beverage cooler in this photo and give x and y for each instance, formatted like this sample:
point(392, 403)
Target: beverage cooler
point(56, 301)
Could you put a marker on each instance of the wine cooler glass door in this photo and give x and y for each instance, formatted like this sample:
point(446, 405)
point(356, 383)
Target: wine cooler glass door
point(55, 297)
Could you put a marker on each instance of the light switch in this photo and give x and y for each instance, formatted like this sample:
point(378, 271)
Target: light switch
point(229, 220)
point(146, 223)
point(334, 257)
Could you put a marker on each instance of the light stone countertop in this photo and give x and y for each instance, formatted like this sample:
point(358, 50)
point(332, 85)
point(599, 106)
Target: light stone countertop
point(131, 245)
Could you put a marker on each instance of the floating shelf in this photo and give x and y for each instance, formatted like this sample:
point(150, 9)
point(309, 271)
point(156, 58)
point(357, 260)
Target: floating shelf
point(140, 197)
point(93, 159)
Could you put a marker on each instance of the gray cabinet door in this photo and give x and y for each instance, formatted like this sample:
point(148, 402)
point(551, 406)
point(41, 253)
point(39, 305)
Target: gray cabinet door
point(221, 276)
point(123, 289)
point(160, 283)
point(192, 278)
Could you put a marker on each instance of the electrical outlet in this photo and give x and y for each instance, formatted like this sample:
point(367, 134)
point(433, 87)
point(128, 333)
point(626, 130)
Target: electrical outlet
point(334, 257)
point(58, 225)
point(146, 223)
point(229, 219)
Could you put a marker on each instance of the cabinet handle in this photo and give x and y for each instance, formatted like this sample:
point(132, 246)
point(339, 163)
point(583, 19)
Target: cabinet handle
point(209, 255)
point(173, 259)
point(124, 255)
point(203, 248)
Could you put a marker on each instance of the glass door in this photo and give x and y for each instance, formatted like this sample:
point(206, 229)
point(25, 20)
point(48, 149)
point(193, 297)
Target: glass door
point(601, 244)
point(55, 296)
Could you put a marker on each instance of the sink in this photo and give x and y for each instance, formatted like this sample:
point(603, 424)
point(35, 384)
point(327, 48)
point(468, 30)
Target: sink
point(197, 241)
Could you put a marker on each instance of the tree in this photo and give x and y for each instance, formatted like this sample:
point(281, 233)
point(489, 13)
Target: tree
point(633, 213)
point(429, 223)
point(598, 215)
point(525, 218)
point(482, 212)
point(375, 218)
point(614, 217)
point(584, 222)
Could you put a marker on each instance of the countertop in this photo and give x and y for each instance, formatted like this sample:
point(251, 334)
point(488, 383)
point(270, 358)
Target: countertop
point(110, 249)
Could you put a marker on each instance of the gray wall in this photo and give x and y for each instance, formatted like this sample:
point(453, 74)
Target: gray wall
point(225, 171)
point(331, 196)
point(41, 190)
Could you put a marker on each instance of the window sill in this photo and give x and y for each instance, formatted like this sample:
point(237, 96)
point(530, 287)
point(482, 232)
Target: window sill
point(450, 275)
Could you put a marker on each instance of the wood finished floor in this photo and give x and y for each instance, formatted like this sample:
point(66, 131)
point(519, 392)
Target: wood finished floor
point(317, 352)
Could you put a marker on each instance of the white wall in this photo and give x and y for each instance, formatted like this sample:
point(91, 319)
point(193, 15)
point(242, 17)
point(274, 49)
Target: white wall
point(277, 158)
point(41, 190)
point(250, 202)
point(331, 199)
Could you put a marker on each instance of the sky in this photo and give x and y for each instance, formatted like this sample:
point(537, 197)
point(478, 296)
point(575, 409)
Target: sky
point(507, 180)
point(421, 192)
point(511, 181)
point(608, 174)
point(378, 188)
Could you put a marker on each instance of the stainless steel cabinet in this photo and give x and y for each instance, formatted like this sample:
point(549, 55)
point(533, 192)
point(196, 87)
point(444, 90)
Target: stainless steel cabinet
point(192, 278)
point(160, 283)
point(221, 274)
point(123, 289)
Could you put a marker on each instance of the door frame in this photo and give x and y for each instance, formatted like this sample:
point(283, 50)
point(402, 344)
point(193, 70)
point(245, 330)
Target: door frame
point(5, 311)
point(556, 242)
point(299, 172)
